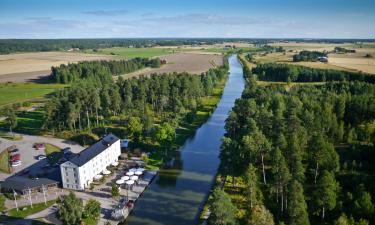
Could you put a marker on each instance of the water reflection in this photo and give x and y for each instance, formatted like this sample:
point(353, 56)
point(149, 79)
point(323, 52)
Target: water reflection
point(176, 195)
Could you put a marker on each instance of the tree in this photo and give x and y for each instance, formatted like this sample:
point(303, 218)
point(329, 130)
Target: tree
point(222, 210)
point(165, 134)
point(115, 191)
point(281, 176)
point(363, 204)
point(70, 209)
point(135, 127)
point(2, 202)
point(11, 118)
point(325, 193)
point(297, 208)
point(92, 210)
point(261, 216)
point(257, 144)
point(253, 193)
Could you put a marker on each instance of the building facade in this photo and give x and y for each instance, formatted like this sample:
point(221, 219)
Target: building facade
point(79, 172)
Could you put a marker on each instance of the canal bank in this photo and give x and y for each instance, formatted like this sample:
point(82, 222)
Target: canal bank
point(178, 192)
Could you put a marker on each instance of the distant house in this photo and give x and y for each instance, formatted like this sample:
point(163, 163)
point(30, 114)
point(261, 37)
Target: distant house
point(323, 59)
point(79, 172)
point(73, 50)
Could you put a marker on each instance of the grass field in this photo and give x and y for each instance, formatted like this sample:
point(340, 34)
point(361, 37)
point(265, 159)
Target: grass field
point(20, 92)
point(134, 52)
point(4, 161)
point(53, 153)
point(27, 210)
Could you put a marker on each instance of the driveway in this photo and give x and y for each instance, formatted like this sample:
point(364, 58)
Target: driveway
point(29, 154)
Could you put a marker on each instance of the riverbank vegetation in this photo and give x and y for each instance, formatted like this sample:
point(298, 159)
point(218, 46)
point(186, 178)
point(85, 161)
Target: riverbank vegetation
point(300, 155)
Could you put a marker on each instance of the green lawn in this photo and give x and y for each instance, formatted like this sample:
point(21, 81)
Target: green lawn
point(27, 210)
point(53, 153)
point(27, 122)
point(133, 52)
point(4, 161)
point(19, 92)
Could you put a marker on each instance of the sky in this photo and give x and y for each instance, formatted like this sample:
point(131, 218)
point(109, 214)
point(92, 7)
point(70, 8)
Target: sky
point(187, 18)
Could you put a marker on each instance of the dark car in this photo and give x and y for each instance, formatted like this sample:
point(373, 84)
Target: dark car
point(25, 171)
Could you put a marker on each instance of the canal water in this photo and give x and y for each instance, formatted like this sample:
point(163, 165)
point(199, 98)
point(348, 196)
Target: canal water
point(177, 194)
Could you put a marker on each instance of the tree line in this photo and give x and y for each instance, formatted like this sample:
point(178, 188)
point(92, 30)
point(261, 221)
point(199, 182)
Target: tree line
point(66, 74)
point(309, 56)
point(297, 154)
point(296, 73)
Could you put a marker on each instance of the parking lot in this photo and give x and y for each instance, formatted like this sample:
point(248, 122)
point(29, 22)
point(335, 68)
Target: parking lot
point(29, 154)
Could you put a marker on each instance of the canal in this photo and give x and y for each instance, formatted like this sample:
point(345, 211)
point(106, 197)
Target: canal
point(178, 192)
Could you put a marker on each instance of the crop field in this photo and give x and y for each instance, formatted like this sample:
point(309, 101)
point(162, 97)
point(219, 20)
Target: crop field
point(360, 64)
point(347, 62)
point(129, 53)
point(183, 62)
point(19, 92)
point(29, 66)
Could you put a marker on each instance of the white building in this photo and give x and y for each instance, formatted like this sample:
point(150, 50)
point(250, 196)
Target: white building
point(79, 171)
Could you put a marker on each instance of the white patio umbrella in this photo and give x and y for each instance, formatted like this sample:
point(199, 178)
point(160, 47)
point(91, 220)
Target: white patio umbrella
point(132, 170)
point(120, 181)
point(129, 182)
point(138, 173)
point(98, 177)
point(134, 178)
point(106, 172)
point(115, 164)
point(141, 169)
point(130, 173)
point(125, 178)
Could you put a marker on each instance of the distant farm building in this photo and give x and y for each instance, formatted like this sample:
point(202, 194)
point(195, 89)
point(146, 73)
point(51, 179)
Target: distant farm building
point(323, 59)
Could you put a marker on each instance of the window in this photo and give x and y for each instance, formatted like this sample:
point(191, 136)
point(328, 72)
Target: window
point(67, 180)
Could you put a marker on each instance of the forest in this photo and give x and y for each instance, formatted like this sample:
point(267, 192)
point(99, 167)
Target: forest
point(66, 74)
point(296, 73)
point(136, 107)
point(8, 46)
point(309, 56)
point(298, 156)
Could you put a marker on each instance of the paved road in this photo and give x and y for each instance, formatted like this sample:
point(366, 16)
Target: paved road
point(29, 154)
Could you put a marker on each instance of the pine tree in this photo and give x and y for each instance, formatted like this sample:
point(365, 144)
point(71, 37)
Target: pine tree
point(297, 208)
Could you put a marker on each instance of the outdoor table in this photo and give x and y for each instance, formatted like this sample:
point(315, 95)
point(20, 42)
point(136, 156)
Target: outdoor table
point(129, 173)
point(124, 178)
point(138, 173)
point(134, 178)
point(119, 181)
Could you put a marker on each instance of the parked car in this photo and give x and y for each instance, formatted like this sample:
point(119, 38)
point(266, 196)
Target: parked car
point(16, 163)
point(40, 146)
point(15, 157)
point(47, 165)
point(15, 150)
point(67, 150)
point(40, 157)
point(25, 171)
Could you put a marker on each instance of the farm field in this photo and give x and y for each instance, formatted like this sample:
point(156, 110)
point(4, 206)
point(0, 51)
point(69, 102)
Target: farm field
point(27, 66)
point(183, 62)
point(346, 62)
point(19, 92)
point(129, 53)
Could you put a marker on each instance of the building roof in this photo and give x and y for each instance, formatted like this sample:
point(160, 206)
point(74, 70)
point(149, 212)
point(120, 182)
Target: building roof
point(20, 184)
point(89, 153)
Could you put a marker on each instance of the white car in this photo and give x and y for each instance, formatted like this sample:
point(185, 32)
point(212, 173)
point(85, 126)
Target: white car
point(40, 157)
point(16, 163)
